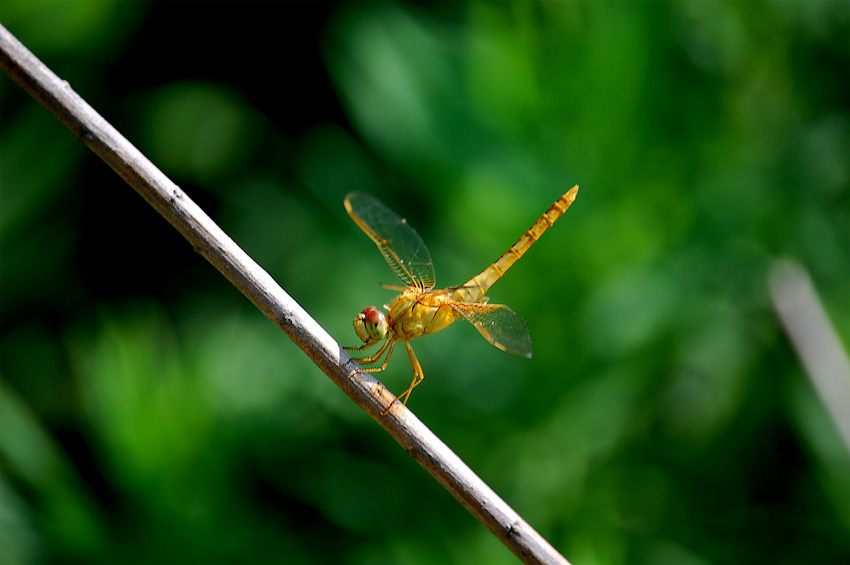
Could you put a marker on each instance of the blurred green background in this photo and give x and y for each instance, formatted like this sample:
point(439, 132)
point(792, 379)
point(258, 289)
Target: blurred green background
point(149, 414)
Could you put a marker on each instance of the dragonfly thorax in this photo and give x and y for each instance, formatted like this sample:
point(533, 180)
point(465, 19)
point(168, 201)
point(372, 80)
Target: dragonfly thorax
point(415, 313)
point(370, 325)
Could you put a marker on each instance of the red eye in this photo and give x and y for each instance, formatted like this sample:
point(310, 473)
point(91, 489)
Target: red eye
point(372, 315)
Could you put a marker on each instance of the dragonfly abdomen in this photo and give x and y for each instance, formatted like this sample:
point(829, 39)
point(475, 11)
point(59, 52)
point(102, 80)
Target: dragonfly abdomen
point(475, 289)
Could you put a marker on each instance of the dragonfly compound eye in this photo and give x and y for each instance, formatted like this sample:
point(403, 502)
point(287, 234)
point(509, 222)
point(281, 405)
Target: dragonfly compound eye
point(370, 325)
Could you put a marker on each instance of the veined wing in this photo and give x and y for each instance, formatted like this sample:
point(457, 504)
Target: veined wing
point(499, 325)
point(399, 243)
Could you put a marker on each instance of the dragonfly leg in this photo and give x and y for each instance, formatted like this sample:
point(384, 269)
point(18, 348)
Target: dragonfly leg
point(418, 375)
point(366, 345)
point(389, 345)
point(387, 348)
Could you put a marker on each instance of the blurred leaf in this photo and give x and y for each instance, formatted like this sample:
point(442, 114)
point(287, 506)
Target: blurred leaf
point(199, 130)
point(139, 396)
point(90, 27)
point(57, 512)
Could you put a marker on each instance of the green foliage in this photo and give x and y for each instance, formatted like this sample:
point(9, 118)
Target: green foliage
point(149, 414)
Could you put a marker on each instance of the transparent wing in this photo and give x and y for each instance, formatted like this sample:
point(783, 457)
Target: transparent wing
point(499, 325)
point(399, 243)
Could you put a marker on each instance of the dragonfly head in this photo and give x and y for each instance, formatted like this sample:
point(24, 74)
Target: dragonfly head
point(370, 325)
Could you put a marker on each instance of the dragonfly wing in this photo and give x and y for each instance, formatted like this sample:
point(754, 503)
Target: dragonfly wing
point(499, 325)
point(399, 243)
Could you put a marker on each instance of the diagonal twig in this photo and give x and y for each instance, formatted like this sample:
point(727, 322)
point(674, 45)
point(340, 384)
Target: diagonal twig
point(814, 339)
point(255, 283)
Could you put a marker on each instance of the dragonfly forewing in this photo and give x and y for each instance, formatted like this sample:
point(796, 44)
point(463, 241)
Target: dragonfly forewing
point(399, 243)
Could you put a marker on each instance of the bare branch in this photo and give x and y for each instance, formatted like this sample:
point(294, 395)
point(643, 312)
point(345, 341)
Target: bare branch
point(813, 337)
point(255, 283)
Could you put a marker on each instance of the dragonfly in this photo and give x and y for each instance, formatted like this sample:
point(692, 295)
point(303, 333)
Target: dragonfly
point(421, 309)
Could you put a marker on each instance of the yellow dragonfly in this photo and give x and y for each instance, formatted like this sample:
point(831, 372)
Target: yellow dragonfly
point(421, 309)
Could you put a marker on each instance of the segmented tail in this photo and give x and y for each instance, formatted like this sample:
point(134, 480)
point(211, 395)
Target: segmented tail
point(475, 289)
